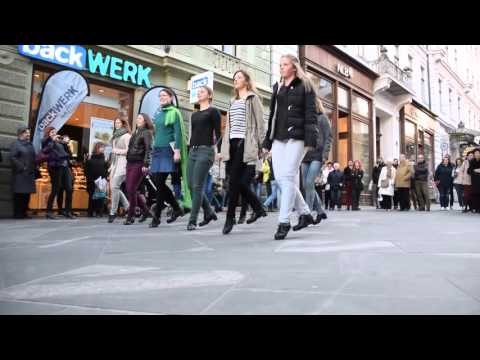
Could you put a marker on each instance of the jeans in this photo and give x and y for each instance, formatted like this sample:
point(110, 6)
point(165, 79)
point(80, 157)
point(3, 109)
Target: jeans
point(208, 188)
point(286, 159)
point(117, 194)
point(239, 180)
point(274, 195)
point(310, 172)
point(423, 195)
point(134, 179)
point(61, 180)
point(459, 189)
point(444, 195)
point(335, 198)
point(200, 161)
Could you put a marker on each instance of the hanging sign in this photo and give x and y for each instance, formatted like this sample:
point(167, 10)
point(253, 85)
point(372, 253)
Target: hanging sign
point(203, 79)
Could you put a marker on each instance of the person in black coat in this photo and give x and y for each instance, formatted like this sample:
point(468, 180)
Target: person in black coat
point(95, 168)
point(336, 180)
point(443, 180)
point(474, 172)
point(357, 184)
point(377, 169)
point(22, 155)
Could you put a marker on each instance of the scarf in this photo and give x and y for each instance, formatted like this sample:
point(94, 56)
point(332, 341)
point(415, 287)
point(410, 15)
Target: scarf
point(171, 115)
point(119, 132)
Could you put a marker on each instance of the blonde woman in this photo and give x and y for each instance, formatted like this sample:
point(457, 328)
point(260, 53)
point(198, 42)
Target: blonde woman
point(292, 131)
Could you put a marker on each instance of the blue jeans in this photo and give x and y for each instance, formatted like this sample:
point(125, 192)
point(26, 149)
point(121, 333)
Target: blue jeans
point(310, 172)
point(274, 195)
point(444, 195)
point(208, 189)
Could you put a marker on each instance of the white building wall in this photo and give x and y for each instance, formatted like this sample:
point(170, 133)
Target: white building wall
point(276, 53)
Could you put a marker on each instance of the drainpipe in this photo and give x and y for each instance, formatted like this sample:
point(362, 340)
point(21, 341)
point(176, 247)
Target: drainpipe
point(429, 83)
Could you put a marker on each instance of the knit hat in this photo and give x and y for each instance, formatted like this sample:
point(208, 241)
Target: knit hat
point(22, 129)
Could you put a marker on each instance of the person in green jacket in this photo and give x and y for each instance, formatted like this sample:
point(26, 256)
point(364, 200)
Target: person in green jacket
point(169, 149)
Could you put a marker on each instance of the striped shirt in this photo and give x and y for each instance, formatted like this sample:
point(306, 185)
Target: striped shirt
point(237, 119)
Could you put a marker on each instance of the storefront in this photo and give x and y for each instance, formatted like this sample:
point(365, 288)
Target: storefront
point(346, 88)
point(417, 128)
point(114, 82)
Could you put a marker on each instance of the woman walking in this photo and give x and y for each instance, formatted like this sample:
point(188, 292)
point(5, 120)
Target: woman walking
point(386, 185)
point(443, 180)
point(357, 184)
point(292, 131)
point(403, 178)
point(118, 168)
point(244, 131)
point(138, 161)
point(474, 171)
point(169, 149)
point(22, 156)
point(204, 133)
point(347, 174)
point(58, 170)
point(458, 180)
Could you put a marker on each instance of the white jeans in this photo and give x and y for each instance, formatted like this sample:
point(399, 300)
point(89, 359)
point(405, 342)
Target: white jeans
point(117, 194)
point(286, 159)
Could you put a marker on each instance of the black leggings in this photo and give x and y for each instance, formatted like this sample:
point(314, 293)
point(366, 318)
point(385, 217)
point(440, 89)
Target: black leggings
point(61, 180)
point(164, 194)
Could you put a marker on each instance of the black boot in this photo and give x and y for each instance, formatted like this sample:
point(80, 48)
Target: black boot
point(143, 218)
point(191, 226)
point(111, 218)
point(255, 215)
point(323, 216)
point(50, 216)
point(208, 218)
point(175, 214)
point(303, 222)
point(155, 221)
point(129, 221)
point(227, 228)
point(282, 231)
point(241, 220)
point(318, 219)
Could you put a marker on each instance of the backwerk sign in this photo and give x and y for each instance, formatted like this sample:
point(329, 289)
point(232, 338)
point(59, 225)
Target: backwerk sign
point(79, 58)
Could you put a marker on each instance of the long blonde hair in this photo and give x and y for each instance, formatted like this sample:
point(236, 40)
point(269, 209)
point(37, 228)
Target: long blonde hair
point(299, 72)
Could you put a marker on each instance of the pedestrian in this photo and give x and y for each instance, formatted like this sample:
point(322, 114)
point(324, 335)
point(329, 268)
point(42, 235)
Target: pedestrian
point(118, 165)
point(458, 181)
point(266, 178)
point(138, 161)
point(474, 171)
point(95, 168)
point(386, 185)
point(451, 185)
point(22, 156)
point(204, 140)
point(396, 196)
point(275, 193)
point(250, 174)
point(403, 183)
point(313, 161)
point(375, 176)
point(169, 149)
point(347, 177)
point(327, 169)
point(58, 167)
point(443, 180)
point(357, 184)
point(336, 181)
point(422, 177)
point(67, 185)
point(467, 182)
point(413, 191)
point(292, 131)
point(244, 130)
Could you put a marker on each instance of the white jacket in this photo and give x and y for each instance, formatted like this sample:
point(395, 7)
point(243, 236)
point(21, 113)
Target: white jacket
point(383, 176)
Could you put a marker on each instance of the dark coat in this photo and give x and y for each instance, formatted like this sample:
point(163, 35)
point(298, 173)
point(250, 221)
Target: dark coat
point(421, 171)
point(56, 152)
point(95, 167)
point(140, 146)
point(301, 118)
point(347, 174)
point(22, 155)
point(444, 175)
point(475, 164)
point(335, 179)
point(376, 172)
point(357, 176)
point(324, 141)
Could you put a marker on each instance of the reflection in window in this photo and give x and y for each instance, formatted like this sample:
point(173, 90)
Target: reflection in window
point(325, 89)
point(360, 106)
point(342, 97)
point(342, 144)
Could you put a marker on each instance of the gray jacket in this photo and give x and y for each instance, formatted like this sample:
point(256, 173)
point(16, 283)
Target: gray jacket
point(22, 155)
point(324, 141)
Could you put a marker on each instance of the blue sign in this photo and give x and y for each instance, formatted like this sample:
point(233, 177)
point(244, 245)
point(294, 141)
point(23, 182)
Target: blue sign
point(77, 57)
point(72, 56)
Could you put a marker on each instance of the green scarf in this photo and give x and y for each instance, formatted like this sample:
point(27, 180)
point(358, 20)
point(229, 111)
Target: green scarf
point(171, 114)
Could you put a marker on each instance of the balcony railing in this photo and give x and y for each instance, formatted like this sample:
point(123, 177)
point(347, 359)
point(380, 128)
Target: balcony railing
point(385, 66)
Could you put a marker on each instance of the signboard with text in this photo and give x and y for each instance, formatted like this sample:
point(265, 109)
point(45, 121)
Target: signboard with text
point(203, 79)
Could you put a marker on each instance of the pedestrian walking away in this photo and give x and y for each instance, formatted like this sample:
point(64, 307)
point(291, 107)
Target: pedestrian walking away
point(204, 137)
point(292, 131)
point(347, 177)
point(443, 181)
point(422, 177)
point(169, 149)
point(244, 131)
point(138, 161)
point(357, 184)
point(22, 156)
point(118, 166)
point(375, 176)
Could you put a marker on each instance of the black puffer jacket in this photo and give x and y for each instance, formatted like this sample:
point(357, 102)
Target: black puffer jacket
point(302, 115)
point(324, 141)
point(140, 146)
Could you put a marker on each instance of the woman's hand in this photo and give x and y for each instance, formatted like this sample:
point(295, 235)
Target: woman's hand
point(176, 156)
point(218, 157)
point(309, 148)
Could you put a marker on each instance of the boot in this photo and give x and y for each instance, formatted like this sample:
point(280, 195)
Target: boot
point(227, 228)
point(129, 221)
point(241, 220)
point(323, 216)
point(282, 231)
point(208, 218)
point(175, 214)
point(155, 221)
point(191, 226)
point(318, 219)
point(255, 215)
point(303, 222)
point(111, 218)
point(50, 216)
point(143, 218)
